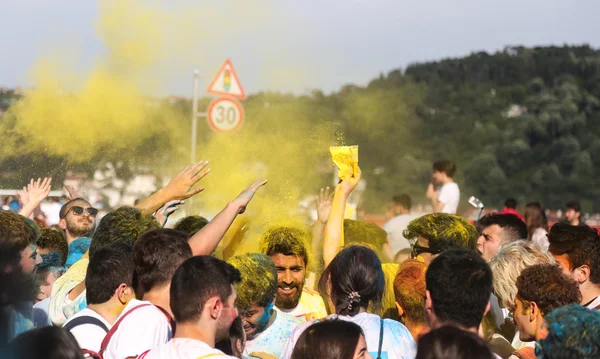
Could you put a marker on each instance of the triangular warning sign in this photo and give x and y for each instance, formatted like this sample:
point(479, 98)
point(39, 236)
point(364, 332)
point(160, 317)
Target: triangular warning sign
point(227, 83)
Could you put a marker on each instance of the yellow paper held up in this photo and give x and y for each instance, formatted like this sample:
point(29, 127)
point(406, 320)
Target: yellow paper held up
point(346, 159)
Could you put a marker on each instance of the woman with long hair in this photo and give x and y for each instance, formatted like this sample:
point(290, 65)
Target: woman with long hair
point(353, 282)
point(537, 225)
point(338, 339)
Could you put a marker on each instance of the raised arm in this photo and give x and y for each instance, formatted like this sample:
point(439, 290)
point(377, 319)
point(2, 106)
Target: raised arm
point(180, 188)
point(33, 194)
point(334, 230)
point(324, 202)
point(206, 240)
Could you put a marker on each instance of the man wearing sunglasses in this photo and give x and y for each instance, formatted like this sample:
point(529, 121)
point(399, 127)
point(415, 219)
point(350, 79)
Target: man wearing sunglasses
point(435, 233)
point(77, 219)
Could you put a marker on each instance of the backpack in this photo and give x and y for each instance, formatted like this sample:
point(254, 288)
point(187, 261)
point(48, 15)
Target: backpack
point(109, 333)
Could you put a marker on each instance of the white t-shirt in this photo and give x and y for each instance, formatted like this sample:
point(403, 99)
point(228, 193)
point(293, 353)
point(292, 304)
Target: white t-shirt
point(89, 336)
point(184, 348)
point(397, 343)
point(40, 314)
point(395, 228)
point(310, 306)
point(145, 328)
point(274, 338)
point(449, 196)
point(594, 305)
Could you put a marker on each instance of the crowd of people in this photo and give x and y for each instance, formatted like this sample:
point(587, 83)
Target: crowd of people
point(433, 286)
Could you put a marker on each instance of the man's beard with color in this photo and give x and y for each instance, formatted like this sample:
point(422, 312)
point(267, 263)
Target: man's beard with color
point(80, 227)
point(288, 295)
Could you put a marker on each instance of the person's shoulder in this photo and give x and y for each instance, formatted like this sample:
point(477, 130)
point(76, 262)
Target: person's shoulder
point(398, 329)
point(309, 292)
point(288, 319)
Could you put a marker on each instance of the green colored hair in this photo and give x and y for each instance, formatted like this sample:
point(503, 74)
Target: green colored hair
point(259, 280)
point(285, 240)
point(444, 231)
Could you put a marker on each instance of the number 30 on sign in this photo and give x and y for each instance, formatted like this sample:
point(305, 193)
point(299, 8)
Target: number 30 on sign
point(225, 114)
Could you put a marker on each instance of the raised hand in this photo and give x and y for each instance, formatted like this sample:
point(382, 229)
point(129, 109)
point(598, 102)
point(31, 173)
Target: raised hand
point(349, 183)
point(24, 196)
point(162, 215)
point(39, 190)
point(324, 201)
point(244, 198)
point(180, 187)
point(72, 192)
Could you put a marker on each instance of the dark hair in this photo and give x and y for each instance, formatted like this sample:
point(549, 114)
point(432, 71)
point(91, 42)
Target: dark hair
point(410, 288)
point(580, 244)
point(403, 200)
point(510, 203)
point(259, 283)
point(196, 281)
point(157, 254)
point(359, 232)
point(123, 225)
point(449, 342)
point(574, 205)
point(236, 334)
point(460, 284)
point(446, 166)
point(513, 228)
point(109, 267)
point(191, 224)
point(54, 241)
point(573, 333)
point(355, 269)
point(45, 343)
point(547, 286)
point(65, 208)
point(285, 240)
point(15, 231)
point(328, 339)
point(444, 231)
point(535, 218)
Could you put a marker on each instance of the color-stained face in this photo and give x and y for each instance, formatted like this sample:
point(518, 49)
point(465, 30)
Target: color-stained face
point(228, 314)
point(489, 242)
point(291, 272)
point(29, 259)
point(522, 317)
point(256, 319)
point(46, 287)
point(564, 264)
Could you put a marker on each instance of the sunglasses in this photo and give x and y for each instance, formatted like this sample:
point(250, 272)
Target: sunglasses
point(78, 210)
point(417, 249)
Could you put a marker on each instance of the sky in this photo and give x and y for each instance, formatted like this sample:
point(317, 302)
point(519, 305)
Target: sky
point(298, 45)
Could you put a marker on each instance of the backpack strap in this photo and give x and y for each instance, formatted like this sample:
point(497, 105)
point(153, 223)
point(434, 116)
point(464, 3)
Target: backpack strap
point(380, 338)
point(143, 355)
point(169, 318)
point(114, 328)
point(85, 319)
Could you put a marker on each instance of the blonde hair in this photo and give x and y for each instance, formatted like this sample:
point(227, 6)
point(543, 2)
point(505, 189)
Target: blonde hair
point(508, 264)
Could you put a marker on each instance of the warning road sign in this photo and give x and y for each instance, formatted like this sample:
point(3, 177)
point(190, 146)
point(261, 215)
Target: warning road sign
point(225, 114)
point(227, 82)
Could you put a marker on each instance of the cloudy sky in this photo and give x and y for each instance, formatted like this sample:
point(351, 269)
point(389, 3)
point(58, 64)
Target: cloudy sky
point(299, 45)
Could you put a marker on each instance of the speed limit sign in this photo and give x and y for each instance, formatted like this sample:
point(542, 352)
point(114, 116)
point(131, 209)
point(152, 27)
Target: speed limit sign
point(225, 114)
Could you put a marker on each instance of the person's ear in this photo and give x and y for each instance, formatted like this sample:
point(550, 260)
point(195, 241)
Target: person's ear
point(487, 308)
point(428, 303)
point(582, 274)
point(215, 307)
point(124, 293)
point(534, 311)
point(62, 223)
point(400, 310)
